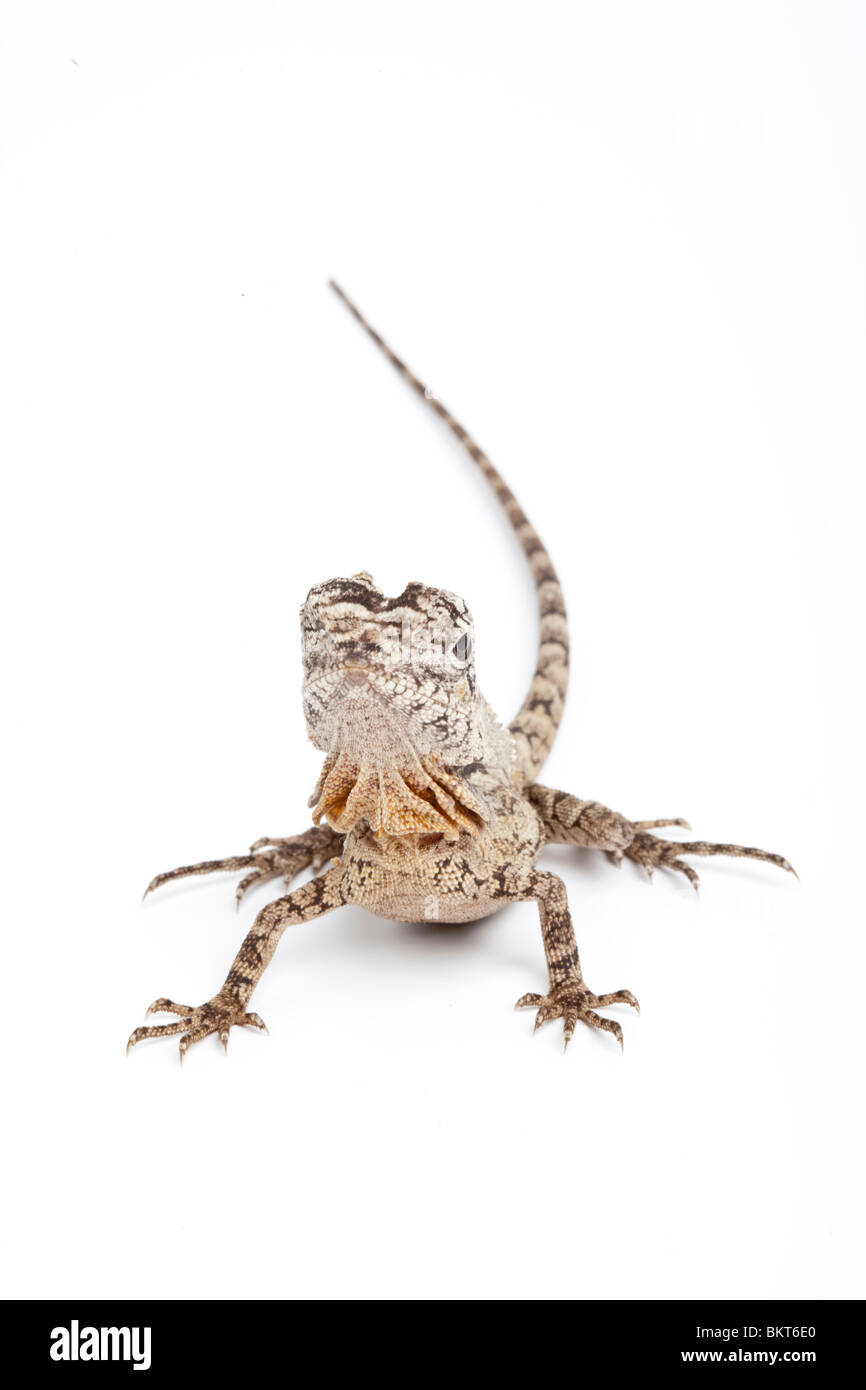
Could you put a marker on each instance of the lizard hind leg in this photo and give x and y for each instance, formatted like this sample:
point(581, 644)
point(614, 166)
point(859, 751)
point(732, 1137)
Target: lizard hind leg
point(568, 820)
point(268, 859)
point(652, 853)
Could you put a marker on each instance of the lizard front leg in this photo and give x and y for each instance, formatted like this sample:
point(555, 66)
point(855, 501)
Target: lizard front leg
point(568, 820)
point(268, 858)
point(229, 1006)
point(567, 997)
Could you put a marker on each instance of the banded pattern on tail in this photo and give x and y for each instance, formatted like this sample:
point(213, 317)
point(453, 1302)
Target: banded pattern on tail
point(534, 727)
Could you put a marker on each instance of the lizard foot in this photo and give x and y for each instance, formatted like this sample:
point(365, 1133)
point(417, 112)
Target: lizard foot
point(652, 853)
point(216, 1016)
point(268, 858)
point(574, 1003)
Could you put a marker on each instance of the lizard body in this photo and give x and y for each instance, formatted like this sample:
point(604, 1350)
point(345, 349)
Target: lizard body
point(427, 808)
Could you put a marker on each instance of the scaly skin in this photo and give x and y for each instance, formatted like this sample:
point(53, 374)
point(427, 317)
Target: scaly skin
point(432, 810)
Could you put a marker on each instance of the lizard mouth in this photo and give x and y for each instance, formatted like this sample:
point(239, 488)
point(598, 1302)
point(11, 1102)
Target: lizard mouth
point(416, 796)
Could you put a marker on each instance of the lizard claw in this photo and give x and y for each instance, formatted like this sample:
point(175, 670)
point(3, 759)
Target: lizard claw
point(167, 1006)
point(574, 1003)
point(268, 858)
point(218, 1016)
point(651, 852)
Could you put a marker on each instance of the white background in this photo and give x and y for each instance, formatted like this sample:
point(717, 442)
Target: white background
point(624, 242)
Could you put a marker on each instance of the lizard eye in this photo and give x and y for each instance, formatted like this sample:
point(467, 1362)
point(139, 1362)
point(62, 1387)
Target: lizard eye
point(462, 647)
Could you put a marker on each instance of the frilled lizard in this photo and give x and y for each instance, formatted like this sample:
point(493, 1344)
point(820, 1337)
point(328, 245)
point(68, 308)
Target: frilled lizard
point(431, 808)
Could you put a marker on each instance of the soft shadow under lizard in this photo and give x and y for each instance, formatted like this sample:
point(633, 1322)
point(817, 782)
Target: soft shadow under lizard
point(431, 808)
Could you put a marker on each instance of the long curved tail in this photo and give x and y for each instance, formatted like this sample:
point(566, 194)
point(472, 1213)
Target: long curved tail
point(534, 727)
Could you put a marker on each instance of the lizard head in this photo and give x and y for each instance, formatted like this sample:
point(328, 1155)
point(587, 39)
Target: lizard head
point(390, 697)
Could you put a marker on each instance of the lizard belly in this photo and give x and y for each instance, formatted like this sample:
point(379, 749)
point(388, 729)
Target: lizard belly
point(427, 879)
point(432, 907)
